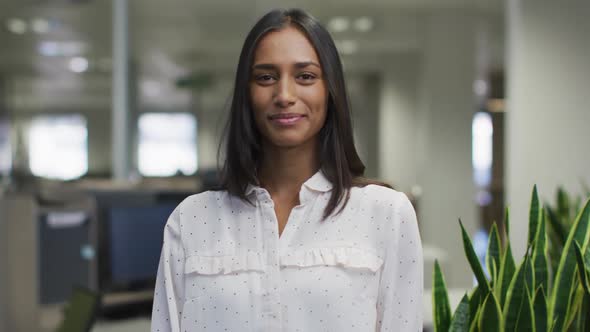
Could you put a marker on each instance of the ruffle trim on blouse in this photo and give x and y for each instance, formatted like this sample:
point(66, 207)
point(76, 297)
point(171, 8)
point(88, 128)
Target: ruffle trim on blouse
point(249, 261)
point(338, 256)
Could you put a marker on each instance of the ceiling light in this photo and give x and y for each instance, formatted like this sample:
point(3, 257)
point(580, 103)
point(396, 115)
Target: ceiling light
point(347, 46)
point(339, 24)
point(40, 25)
point(16, 25)
point(363, 24)
point(78, 64)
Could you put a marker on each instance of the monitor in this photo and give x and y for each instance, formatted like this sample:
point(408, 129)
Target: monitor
point(134, 241)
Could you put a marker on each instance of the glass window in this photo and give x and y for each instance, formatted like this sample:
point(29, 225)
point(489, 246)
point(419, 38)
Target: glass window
point(58, 146)
point(167, 144)
point(482, 132)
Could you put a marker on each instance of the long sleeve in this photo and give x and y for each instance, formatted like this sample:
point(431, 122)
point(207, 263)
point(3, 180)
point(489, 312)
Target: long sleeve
point(169, 290)
point(399, 305)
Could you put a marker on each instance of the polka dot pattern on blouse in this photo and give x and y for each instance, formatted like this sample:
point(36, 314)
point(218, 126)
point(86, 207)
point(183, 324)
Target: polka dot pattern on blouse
point(224, 267)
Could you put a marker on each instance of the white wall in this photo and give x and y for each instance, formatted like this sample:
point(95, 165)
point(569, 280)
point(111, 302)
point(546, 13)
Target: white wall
point(548, 119)
point(427, 105)
point(363, 90)
point(445, 110)
point(397, 123)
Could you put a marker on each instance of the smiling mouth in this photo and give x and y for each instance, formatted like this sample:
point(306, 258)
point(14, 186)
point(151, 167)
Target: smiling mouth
point(285, 116)
point(285, 119)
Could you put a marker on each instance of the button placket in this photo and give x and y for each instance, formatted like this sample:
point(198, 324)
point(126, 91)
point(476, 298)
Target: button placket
point(271, 302)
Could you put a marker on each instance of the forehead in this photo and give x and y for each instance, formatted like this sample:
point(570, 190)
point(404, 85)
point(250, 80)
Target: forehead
point(285, 46)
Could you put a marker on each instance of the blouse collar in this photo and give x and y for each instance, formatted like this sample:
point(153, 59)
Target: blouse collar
point(318, 182)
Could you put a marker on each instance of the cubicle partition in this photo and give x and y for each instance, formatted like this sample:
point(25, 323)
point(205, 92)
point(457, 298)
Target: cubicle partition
point(66, 246)
point(107, 241)
point(130, 234)
point(18, 264)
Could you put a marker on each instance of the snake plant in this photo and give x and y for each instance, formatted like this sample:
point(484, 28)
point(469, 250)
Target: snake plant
point(561, 214)
point(531, 296)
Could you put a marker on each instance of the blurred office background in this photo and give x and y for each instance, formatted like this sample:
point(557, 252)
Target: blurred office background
point(111, 112)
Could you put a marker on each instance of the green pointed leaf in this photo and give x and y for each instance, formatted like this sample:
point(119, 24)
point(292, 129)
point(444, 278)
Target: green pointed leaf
point(556, 225)
point(540, 262)
point(530, 274)
point(584, 318)
point(474, 327)
point(540, 310)
point(495, 278)
point(440, 298)
point(534, 216)
point(507, 270)
point(473, 260)
point(576, 300)
point(566, 272)
point(460, 321)
point(497, 285)
point(575, 207)
point(563, 204)
point(552, 328)
point(554, 244)
point(490, 318)
point(526, 319)
point(515, 297)
point(475, 302)
point(493, 254)
point(583, 268)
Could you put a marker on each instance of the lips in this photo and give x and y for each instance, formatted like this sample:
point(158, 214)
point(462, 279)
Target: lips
point(285, 116)
point(285, 119)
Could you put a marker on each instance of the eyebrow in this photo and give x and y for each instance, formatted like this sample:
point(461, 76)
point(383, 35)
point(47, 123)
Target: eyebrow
point(296, 65)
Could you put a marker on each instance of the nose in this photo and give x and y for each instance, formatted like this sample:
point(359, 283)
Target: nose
point(285, 94)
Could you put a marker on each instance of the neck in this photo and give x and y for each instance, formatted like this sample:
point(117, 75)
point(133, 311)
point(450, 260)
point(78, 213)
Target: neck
point(284, 170)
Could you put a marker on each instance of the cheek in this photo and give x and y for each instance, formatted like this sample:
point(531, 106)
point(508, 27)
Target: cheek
point(258, 102)
point(317, 101)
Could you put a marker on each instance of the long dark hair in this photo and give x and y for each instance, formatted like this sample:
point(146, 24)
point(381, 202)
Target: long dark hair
point(243, 148)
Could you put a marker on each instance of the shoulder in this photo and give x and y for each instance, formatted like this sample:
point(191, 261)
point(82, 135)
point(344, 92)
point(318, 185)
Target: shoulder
point(210, 199)
point(382, 199)
point(396, 219)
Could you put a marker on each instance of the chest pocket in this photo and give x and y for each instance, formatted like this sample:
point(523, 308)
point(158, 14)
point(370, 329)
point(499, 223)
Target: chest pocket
point(214, 265)
point(332, 274)
point(223, 278)
point(346, 257)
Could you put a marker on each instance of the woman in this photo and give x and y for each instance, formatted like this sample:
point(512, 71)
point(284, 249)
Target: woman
point(297, 240)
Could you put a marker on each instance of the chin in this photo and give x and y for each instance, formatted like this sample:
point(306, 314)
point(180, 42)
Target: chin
point(285, 143)
point(288, 141)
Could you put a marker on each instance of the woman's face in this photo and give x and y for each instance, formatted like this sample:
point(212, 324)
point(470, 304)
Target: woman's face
point(287, 89)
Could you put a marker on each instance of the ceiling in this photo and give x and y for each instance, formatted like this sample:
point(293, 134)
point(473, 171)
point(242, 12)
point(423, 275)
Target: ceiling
point(171, 38)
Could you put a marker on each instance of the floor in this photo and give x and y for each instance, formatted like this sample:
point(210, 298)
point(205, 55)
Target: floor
point(130, 325)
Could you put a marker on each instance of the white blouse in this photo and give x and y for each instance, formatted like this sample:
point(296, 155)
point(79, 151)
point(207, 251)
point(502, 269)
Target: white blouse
point(224, 267)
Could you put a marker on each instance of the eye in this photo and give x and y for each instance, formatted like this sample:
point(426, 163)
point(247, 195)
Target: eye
point(307, 77)
point(264, 78)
